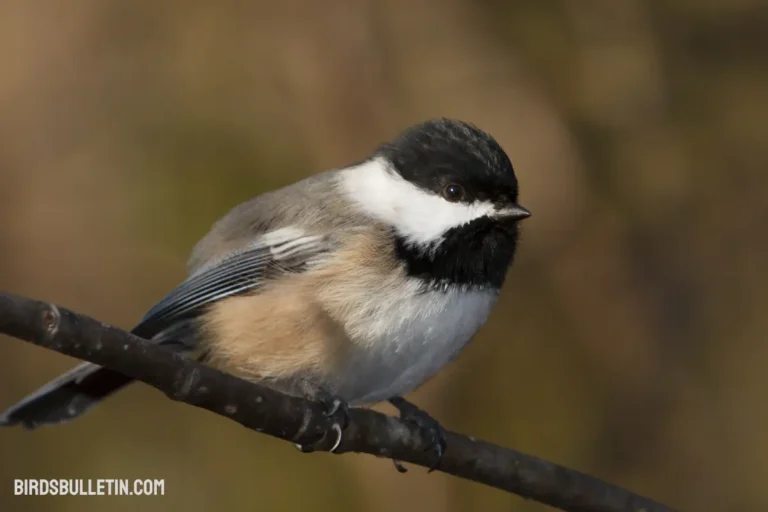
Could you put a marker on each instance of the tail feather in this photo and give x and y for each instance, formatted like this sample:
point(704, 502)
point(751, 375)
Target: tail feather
point(66, 397)
point(70, 395)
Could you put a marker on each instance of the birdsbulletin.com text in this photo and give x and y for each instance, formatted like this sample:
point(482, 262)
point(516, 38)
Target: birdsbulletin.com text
point(88, 487)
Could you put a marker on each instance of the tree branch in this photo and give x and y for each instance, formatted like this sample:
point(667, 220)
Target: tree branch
point(300, 421)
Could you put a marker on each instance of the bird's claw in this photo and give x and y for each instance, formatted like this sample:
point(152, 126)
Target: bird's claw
point(336, 409)
point(399, 466)
point(409, 413)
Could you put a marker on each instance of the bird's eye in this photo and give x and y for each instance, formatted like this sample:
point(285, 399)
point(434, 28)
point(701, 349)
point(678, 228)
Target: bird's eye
point(453, 192)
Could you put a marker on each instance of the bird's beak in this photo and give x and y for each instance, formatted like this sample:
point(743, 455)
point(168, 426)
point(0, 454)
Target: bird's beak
point(514, 212)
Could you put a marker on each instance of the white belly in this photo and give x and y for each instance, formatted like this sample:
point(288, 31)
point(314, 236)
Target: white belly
point(406, 339)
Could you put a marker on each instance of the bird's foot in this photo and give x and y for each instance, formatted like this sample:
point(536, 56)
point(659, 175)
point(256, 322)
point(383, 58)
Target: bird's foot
point(409, 413)
point(338, 411)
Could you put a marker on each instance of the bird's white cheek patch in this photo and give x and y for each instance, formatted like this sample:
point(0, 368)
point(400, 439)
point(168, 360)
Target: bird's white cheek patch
point(419, 216)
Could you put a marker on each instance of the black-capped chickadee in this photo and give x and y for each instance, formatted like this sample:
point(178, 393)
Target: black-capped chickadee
point(352, 286)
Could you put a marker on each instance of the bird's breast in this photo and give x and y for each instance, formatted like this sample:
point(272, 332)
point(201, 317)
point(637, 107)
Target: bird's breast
point(400, 339)
point(399, 331)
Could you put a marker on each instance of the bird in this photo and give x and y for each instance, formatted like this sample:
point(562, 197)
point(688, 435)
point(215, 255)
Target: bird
point(350, 287)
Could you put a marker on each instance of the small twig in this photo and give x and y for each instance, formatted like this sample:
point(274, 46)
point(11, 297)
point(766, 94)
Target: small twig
point(300, 421)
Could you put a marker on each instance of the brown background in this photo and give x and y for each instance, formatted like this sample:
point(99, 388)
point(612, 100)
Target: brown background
point(630, 341)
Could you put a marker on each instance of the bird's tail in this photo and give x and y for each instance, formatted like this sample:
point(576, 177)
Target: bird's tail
point(66, 397)
point(73, 393)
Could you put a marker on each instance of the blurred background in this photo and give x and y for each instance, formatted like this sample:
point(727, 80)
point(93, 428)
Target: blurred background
point(630, 341)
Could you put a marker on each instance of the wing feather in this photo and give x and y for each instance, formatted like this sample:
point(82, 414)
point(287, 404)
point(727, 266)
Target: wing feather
point(241, 272)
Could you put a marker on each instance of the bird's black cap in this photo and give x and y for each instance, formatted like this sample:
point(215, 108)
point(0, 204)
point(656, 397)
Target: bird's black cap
point(434, 153)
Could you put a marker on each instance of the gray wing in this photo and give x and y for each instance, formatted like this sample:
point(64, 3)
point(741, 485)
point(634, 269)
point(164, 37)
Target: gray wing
point(242, 272)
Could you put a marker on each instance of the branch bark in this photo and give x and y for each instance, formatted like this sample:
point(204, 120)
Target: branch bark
point(299, 421)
